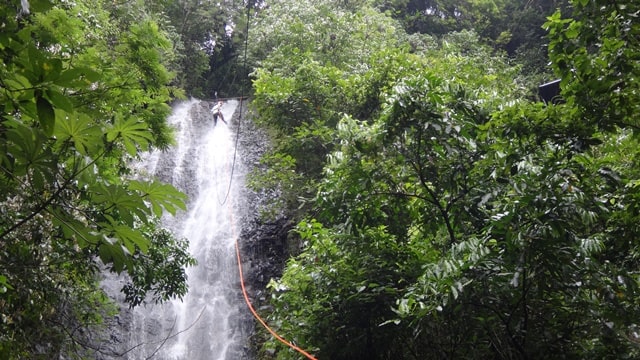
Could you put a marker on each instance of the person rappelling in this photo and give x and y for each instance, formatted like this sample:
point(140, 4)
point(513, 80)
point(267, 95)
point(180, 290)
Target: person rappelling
point(217, 113)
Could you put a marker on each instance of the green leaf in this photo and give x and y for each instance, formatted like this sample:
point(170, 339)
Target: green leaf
point(4, 284)
point(112, 254)
point(132, 133)
point(17, 82)
point(117, 201)
point(80, 76)
point(51, 69)
point(79, 129)
point(160, 196)
point(33, 68)
point(75, 229)
point(58, 100)
point(573, 30)
point(27, 148)
point(131, 237)
point(46, 115)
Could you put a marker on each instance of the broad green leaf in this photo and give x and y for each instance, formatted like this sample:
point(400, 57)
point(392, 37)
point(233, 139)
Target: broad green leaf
point(17, 82)
point(51, 69)
point(113, 254)
point(160, 196)
point(33, 67)
point(27, 147)
point(73, 228)
point(80, 76)
point(80, 129)
point(116, 200)
point(132, 237)
point(46, 115)
point(132, 132)
point(58, 100)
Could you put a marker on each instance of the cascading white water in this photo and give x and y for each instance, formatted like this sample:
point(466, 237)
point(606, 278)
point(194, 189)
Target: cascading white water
point(208, 323)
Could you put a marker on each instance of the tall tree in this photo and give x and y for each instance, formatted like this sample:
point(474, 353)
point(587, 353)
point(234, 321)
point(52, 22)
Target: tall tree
point(81, 97)
point(511, 25)
point(397, 202)
point(313, 57)
point(208, 44)
point(462, 220)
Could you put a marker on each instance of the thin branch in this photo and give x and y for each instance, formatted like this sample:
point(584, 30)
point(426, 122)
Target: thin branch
point(50, 200)
point(176, 334)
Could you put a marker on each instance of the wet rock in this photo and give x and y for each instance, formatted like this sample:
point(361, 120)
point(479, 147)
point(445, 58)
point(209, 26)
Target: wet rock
point(263, 243)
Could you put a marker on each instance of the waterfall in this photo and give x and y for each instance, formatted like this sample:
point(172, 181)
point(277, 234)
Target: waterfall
point(211, 322)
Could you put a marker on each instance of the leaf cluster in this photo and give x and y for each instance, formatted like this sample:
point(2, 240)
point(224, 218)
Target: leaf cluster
point(453, 216)
point(76, 110)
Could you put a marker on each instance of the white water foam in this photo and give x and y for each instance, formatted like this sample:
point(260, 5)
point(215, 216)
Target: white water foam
point(207, 323)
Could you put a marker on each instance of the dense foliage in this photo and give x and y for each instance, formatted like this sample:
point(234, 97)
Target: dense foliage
point(208, 42)
point(444, 212)
point(512, 25)
point(82, 95)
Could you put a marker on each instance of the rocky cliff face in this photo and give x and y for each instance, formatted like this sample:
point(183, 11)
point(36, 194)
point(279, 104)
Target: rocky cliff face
point(263, 243)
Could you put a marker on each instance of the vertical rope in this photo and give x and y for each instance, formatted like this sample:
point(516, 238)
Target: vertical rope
point(242, 285)
point(235, 150)
point(257, 317)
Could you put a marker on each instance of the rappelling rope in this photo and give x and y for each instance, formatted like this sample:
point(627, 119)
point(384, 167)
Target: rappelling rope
point(235, 152)
point(257, 316)
point(248, 301)
point(237, 245)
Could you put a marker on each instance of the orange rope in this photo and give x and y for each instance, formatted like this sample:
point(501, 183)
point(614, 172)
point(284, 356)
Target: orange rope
point(244, 290)
point(255, 314)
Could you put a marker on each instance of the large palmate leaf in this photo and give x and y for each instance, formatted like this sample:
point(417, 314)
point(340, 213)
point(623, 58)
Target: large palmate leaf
point(131, 238)
point(133, 133)
point(73, 228)
point(117, 201)
point(25, 147)
point(79, 129)
point(160, 196)
point(114, 254)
